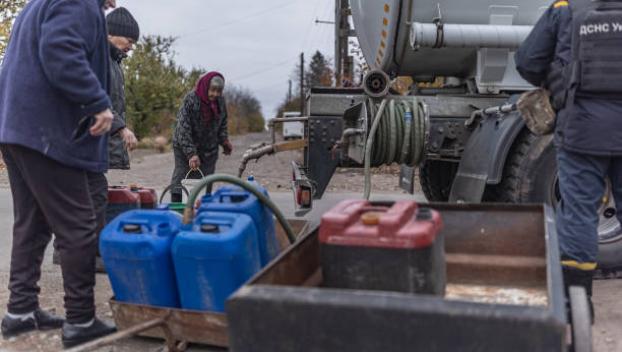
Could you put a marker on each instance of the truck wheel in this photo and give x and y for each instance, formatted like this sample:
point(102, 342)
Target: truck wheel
point(609, 237)
point(530, 176)
point(580, 320)
point(436, 178)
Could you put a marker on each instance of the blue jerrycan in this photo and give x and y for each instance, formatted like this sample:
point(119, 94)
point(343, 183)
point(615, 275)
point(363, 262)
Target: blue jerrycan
point(238, 200)
point(214, 259)
point(136, 250)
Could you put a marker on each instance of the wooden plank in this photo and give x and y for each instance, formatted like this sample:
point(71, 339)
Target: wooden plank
point(195, 327)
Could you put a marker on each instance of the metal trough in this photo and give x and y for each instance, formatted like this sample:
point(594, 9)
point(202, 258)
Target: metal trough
point(497, 247)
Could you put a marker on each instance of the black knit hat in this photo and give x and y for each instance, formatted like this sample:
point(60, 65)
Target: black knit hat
point(121, 23)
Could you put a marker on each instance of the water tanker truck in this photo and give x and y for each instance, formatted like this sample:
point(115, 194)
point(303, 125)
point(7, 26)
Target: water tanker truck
point(456, 126)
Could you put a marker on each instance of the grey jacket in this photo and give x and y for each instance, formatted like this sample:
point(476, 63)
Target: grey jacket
point(118, 156)
point(193, 136)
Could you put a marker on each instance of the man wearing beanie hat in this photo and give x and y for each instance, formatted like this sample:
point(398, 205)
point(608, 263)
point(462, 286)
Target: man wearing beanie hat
point(123, 33)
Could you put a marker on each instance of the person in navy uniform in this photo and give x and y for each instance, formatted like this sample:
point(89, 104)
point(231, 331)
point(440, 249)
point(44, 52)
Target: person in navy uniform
point(574, 52)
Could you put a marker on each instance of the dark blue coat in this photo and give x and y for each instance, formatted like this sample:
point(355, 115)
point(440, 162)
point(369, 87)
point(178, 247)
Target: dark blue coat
point(54, 78)
point(589, 126)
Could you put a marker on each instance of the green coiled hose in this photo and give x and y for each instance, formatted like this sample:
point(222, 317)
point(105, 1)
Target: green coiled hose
point(397, 135)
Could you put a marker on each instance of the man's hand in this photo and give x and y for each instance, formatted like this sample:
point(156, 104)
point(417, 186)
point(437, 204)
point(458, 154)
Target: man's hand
point(103, 123)
point(227, 147)
point(110, 4)
point(129, 139)
point(194, 162)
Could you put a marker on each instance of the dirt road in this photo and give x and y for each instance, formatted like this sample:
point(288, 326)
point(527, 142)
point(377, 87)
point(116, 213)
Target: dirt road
point(273, 172)
point(154, 170)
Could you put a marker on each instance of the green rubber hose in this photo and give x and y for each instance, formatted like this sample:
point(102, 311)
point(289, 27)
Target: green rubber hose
point(397, 135)
point(210, 180)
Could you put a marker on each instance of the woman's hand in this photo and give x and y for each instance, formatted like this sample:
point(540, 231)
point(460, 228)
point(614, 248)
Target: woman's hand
point(194, 162)
point(227, 147)
point(110, 4)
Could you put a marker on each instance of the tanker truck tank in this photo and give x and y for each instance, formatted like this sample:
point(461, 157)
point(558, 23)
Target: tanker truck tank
point(429, 38)
point(462, 132)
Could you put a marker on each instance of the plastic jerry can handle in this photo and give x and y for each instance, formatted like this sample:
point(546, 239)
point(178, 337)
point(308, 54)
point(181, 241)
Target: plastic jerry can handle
point(134, 227)
point(210, 228)
point(371, 218)
point(236, 196)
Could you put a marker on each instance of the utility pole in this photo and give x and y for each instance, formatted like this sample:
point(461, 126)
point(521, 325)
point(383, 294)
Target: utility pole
point(343, 61)
point(302, 84)
point(289, 92)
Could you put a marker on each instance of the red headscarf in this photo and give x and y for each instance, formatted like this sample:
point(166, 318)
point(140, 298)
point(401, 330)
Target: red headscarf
point(208, 108)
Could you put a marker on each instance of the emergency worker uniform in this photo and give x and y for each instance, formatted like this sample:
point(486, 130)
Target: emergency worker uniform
point(575, 51)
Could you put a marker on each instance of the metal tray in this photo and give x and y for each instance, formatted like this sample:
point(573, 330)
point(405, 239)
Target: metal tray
point(286, 308)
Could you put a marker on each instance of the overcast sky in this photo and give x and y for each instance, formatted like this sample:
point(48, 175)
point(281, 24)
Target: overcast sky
point(253, 43)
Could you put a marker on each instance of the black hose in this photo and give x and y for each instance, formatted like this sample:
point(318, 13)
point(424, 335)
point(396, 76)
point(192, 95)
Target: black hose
point(169, 188)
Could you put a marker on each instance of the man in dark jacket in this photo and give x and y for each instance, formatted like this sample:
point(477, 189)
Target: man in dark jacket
point(55, 150)
point(123, 33)
point(201, 128)
point(588, 133)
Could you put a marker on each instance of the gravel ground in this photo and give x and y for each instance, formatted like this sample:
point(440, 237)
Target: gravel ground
point(273, 171)
point(151, 169)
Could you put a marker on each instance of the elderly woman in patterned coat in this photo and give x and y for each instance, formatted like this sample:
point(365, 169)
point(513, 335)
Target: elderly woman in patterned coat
point(201, 128)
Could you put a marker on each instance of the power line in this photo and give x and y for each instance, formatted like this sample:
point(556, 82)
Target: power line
point(310, 26)
point(271, 85)
point(217, 28)
point(319, 33)
point(264, 70)
point(326, 29)
point(329, 38)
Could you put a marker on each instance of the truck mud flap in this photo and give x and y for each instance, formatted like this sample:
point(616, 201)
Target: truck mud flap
point(484, 156)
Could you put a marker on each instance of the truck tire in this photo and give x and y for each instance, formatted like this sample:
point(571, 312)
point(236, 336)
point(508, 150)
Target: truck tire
point(436, 178)
point(530, 176)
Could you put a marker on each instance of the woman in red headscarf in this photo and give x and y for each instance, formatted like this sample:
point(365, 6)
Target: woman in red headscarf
point(201, 128)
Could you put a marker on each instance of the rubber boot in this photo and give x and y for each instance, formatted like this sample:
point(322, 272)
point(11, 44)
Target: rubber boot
point(577, 277)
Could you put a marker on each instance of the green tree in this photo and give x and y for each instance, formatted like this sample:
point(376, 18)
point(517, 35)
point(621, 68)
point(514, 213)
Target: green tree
point(244, 111)
point(155, 86)
point(8, 11)
point(319, 73)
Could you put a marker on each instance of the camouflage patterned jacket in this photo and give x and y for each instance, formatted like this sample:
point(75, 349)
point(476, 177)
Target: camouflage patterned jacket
point(193, 135)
